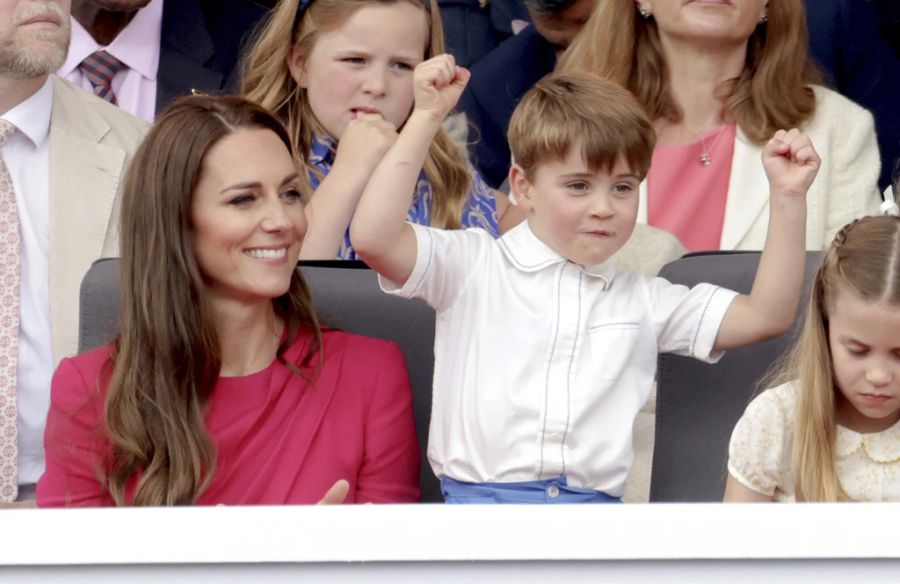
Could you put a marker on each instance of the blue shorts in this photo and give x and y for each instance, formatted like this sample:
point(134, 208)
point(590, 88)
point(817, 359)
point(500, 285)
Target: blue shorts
point(553, 491)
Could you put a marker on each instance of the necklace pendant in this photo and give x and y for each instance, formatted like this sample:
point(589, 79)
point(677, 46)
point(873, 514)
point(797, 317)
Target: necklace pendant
point(705, 159)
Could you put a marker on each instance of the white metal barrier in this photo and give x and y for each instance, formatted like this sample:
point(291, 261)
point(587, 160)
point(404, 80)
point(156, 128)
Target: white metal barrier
point(412, 543)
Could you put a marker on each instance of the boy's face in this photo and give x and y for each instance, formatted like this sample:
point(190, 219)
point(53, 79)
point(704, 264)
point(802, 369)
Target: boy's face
point(585, 216)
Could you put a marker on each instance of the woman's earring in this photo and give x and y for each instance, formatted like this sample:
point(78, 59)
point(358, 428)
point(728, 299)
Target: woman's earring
point(764, 19)
point(644, 12)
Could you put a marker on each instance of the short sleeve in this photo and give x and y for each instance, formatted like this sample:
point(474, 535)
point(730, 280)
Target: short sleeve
point(757, 447)
point(687, 320)
point(445, 260)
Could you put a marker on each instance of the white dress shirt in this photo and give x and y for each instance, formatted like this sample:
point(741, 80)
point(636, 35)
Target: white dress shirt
point(137, 46)
point(541, 364)
point(27, 156)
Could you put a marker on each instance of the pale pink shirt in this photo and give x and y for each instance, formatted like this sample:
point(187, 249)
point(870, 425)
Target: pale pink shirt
point(686, 198)
point(137, 46)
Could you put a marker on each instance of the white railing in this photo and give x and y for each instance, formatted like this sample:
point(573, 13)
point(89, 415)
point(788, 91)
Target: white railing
point(371, 543)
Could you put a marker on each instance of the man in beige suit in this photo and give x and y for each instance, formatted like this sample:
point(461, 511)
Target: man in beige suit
point(65, 156)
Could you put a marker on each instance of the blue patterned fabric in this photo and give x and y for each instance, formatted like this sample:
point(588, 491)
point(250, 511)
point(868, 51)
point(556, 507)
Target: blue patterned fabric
point(480, 209)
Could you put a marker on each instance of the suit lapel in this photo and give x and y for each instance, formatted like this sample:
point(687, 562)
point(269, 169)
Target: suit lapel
point(748, 192)
point(84, 178)
point(185, 44)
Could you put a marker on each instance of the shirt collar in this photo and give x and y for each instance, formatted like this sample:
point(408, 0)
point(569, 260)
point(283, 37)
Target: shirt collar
point(529, 254)
point(883, 447)
point(32, 116)
point(137, 46)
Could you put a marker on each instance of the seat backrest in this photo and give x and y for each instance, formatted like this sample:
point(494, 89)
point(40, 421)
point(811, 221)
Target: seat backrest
point(350, 299)
point(697, 404)
point(346, 296)
point(99, 305)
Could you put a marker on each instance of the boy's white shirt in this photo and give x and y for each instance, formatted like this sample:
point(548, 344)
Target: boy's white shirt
point(541, 365)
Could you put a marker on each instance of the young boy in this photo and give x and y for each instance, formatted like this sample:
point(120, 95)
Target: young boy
point(543, 352)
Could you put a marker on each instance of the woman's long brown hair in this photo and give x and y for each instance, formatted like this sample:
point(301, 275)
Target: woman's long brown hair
point(166, 359)
point(772, 92)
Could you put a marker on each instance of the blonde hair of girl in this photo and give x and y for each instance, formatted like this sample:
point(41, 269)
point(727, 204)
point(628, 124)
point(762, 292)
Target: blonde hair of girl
point(268, 81)
point(864, 259)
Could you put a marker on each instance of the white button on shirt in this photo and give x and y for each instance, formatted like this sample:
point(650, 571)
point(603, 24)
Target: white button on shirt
point(541, 365)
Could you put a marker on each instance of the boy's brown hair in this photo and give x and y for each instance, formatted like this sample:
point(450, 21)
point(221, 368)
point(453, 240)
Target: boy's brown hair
point(564, 109)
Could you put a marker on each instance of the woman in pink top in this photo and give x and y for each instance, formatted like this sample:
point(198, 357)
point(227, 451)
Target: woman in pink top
point(221, 387)
point(718, 78)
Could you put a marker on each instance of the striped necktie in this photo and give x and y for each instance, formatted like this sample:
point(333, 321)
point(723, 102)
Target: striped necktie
point(100, 68)
point(9, 327)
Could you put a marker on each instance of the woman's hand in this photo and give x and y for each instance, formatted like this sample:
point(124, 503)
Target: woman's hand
point(791, 163)
point(438, 84)
point(336, 494)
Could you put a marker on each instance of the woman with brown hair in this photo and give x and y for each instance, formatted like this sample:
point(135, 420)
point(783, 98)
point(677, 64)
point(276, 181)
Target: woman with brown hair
point(222, 387)
point(718, 78)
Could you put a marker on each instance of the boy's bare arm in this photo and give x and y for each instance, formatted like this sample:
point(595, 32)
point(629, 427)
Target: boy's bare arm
point(791, 164)
point(379, 231)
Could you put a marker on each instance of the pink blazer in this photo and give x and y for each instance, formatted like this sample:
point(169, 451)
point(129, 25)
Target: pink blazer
point(279, 438)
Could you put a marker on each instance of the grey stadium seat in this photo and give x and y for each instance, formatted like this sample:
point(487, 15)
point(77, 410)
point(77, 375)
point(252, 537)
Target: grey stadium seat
point(698, 404)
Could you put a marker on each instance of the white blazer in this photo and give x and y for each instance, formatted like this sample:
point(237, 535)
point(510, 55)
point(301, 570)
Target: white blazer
point(91, 144)
point(846, 187)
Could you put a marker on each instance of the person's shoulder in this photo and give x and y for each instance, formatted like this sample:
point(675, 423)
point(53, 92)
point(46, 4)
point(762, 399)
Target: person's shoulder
point(88, 364)
point(469, 236)
point(358, 347)
point(81, 379)
point(362, 357)
point(517, 62)
point(648, 250)
point(830, 103)
point(221, 23)
point(630, 282)
point(522, 46)
point(73, 106)
point(776, 402)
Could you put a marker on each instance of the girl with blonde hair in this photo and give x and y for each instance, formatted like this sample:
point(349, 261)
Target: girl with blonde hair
point(717, 79)
point(339, 75)
point(831, 430)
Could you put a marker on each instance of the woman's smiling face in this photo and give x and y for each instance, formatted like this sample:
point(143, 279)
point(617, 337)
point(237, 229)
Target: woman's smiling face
point(248, 218)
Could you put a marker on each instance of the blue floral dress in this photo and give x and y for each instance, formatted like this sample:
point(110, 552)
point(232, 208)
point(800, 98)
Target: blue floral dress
point(480, 209)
